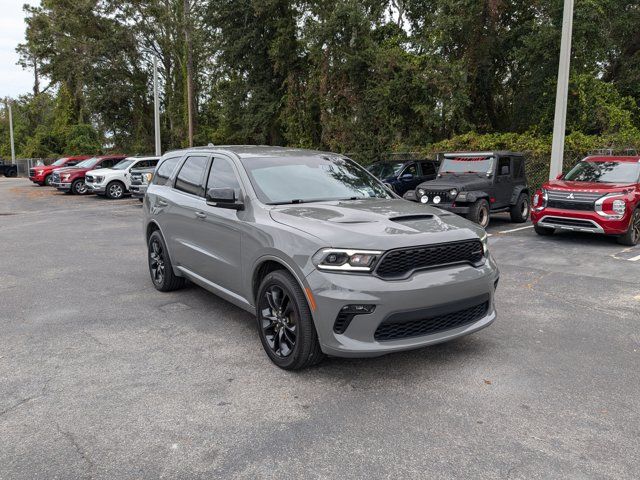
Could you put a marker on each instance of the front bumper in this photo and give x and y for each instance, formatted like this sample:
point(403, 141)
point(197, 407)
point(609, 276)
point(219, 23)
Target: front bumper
point(62, 186)
point(95, 187)
point(580, 221)
point(37, 178)
point(138, 191)
point(392, 299)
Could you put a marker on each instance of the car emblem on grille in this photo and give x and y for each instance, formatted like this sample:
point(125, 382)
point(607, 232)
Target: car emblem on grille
point(570, 196)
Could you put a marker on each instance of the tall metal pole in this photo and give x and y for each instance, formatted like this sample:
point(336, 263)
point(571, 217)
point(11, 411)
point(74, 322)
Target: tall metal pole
point(13, 147)
point(562, 93)
point(156, 106)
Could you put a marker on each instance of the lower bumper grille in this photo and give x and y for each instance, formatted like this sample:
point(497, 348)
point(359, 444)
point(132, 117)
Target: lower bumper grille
point(570, 222)
point(568, 205)
point(438, 319)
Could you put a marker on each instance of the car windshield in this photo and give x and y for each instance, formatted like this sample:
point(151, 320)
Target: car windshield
point(385, 169)
point(604, 172)
point(59, 162)
point(123, 164)
point(311, 179)
point(90, 162)
point(467, 165)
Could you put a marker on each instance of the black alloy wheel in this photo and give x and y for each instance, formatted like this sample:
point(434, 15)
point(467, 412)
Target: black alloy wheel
point(279, 321)
point(632, 236)
point(160, 268)
point(156, 262)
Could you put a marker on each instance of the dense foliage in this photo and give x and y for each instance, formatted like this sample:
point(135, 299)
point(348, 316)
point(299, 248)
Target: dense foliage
point(360, 76)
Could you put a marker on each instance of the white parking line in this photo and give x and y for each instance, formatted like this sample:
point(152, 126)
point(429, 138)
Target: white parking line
point(634, 259)
point(517, 229)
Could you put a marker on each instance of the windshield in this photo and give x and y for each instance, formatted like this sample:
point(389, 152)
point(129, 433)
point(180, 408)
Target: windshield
point(385, 169)
point(90, 162)
point(467, 165)
point(59, 162)
point(604, 172)
point(311, 179)
point(123, 164)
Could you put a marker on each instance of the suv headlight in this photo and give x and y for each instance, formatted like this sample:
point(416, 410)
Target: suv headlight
point(540, 200)
point(485, 243)
point(346, 260)
point(148, 177)
point(98, 179)
point(66, 176)
point(39, 172)
point(610, 207)
point(619, 206)
point(453, 192)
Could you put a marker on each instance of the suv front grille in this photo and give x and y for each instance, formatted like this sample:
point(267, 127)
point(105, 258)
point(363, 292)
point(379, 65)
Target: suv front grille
point(567, 200)
point(395, 328)
point(32, 172)
point(402, 262)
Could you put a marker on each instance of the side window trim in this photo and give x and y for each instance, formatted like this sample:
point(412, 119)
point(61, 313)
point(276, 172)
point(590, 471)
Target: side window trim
point(233, 166)
point(204, 176)
point(170, 178)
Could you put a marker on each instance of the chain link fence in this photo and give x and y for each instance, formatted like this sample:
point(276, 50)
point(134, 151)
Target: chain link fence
point(25, 164)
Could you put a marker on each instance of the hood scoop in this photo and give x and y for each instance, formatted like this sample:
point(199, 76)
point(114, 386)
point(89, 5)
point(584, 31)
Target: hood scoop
point(411, 218)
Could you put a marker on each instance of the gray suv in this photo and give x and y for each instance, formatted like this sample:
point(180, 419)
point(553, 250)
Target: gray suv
point(328, 259)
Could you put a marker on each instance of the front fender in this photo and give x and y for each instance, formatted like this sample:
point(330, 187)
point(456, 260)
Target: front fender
point(410, 195)
point(473, 196)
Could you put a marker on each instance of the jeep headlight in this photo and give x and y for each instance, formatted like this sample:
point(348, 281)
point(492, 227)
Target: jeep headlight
point(453, 192)
point(421, 192)
point(346, 260)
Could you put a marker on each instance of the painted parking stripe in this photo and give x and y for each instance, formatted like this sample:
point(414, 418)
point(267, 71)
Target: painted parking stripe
point(634, 259)
point(516, 229)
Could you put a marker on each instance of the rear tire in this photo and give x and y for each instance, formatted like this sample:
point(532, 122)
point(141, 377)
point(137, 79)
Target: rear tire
point(284, 322)
point(520, 211)
point(632, 236)
point(544, 231)
point(479, 213)
point(160, 268)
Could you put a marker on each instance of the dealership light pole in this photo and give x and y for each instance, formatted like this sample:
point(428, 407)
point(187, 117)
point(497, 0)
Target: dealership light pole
point(562, 92)
point(13, 147)
point(156, 106)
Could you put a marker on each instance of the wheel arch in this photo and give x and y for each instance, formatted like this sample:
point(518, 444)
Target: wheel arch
point(266, 265)
point(517, 191)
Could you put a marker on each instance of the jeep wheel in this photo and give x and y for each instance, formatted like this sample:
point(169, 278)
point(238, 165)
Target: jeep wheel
point(114, 190)
point(285, 326)
point(160, 267)
point(632, 237)
point(78, 187)
point(520, 211)
point(479, 213)
point(544, 231)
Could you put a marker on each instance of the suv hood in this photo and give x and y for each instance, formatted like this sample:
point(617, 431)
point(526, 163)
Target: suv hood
point(377, 224)
point(592, 187)
point(101, 171)
point(466, 182)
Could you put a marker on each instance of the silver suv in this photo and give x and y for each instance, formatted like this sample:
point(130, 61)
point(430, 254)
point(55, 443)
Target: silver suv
point(328, 259)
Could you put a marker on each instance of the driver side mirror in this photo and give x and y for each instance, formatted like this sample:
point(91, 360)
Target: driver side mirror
point(406, 177)
point(224, 198)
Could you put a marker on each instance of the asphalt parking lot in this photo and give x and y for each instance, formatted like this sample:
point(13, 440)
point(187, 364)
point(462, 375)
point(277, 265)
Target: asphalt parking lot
point(101, 376)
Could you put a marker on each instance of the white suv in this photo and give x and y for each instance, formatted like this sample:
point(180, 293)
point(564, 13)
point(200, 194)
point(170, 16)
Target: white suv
point(115, 182)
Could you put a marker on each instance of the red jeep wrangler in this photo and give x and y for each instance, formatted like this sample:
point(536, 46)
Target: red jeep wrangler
point(42, 174)
point(601, 194)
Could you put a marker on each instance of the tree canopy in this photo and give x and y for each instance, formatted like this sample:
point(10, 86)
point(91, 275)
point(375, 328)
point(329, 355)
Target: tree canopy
point(361, 76)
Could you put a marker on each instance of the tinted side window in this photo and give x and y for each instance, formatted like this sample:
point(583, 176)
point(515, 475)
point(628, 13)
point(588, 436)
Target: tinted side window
point(518, 167)
point(504, 166)
point(412, 169)
point(165, 170)
point(190, 176)
point(108, 163)
point(71, 163)
point(153, 163)
point(223, 175)
point(428, 168)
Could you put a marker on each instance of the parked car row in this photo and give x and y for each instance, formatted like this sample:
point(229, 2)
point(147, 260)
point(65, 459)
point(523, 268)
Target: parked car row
point(107, 175)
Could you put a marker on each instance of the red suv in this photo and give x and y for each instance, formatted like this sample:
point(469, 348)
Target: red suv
point(71, 179)
point(42, 175)
point(601, 194)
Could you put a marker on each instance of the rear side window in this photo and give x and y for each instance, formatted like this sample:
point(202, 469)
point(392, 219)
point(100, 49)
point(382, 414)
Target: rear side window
point(428, 168)
point(223, 175)
point(504, 166)
point(191, 174)
point(165, 170)
point(109, 162)
point(518, 167)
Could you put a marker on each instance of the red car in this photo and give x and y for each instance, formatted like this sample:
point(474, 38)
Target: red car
point(71, 179)
point(42, 174)
point(601, 194)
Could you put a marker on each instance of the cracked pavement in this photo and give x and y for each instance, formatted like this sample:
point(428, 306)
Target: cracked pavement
point(101, 376)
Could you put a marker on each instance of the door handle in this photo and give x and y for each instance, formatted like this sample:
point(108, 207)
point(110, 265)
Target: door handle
point(162, 203)
point(201, 215)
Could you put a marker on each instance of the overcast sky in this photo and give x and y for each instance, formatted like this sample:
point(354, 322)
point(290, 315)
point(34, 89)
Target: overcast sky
point(14, 80)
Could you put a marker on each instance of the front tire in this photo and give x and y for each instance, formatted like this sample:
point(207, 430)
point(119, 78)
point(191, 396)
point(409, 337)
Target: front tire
point(78, 187)
point(160, 267)
point(520, 211)
point(284, 322)
point(632, 236)
point(47, 181)
point(114, 190)
point(544, 231)
point(479, 213)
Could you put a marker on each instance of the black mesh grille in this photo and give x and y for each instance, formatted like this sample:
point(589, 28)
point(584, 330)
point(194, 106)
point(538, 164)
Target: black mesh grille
point(569, 205)
point(399, 263)
point(395, 330)
point(32, 172)
point(342, 322)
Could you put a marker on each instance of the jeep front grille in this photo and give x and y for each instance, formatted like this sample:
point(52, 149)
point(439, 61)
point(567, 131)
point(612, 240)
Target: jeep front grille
point(443, 194)
point(402, 262)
